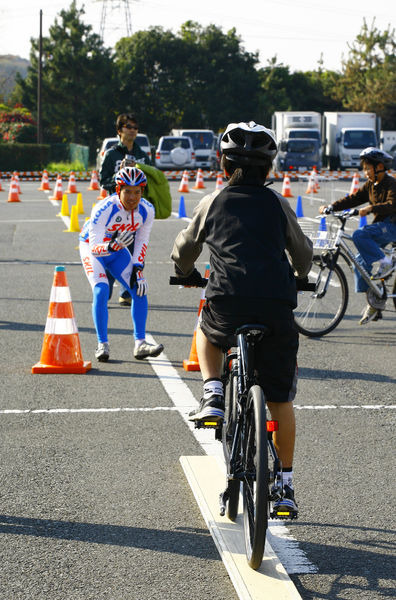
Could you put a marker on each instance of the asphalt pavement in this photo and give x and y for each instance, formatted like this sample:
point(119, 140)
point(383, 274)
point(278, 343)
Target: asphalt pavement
point(94, 503)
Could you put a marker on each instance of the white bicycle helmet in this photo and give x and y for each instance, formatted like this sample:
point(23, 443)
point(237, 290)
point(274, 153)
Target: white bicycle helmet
point(248, 143)
point(130, 176)
point(374, 156)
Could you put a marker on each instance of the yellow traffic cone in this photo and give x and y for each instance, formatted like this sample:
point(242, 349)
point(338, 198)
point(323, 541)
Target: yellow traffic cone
point(79, 204)
point(64, 211)
point(74, 226)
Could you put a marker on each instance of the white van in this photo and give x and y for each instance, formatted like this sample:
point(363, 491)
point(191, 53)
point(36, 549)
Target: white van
point(202, 140)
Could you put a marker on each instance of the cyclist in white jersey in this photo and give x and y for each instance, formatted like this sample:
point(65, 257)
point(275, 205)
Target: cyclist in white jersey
point(115, 223)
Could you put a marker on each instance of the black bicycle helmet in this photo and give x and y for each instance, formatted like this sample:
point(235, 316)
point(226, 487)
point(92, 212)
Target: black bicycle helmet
point(248, 143)
point(374, 156)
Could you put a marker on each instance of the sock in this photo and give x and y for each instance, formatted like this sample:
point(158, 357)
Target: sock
point(139, 343)
point(287, 475)
point(213, 386)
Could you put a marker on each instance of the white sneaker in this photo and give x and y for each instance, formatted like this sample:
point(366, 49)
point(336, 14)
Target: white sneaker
point(102, 352)
point(385, 268)
point(144, 350)
point(369, 314)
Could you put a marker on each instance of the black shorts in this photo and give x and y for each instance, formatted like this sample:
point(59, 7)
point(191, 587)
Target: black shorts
point(276, 360)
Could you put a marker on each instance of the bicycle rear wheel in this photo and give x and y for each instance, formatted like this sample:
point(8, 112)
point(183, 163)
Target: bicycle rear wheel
point(319, 312)
point(255, 478)
point(233, 485)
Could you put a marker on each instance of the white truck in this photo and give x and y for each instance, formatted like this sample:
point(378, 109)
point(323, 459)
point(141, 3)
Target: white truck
point(298, 135)
point(345, 135)
point(204, 146)
point(296, 124)
point(388, 140)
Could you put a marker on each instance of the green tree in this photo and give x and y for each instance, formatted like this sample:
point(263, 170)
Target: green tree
point(76, 84)
point(368, 78)
point(200, 77)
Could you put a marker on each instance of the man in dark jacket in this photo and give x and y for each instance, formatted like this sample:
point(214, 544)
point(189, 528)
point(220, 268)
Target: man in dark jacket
point(379, 195)
point(124, 154)
point(248, 229)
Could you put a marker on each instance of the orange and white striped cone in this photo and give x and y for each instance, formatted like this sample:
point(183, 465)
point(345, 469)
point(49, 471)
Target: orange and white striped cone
point(354, 184)
point(192, 363)
point(58, 193)
point(13, 195)
point(183, 187)
point(219, 181)
point(199, 183)
point(61, 351)
point(286, 189)
point(16, 178)
point(103, 194)
point(72, 187)
point(1, 188)
point(94, 184)
point(311, 185)
point(44, 182)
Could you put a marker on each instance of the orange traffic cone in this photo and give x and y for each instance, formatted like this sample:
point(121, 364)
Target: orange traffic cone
point(72, 188)
point(61, 351)
point(286, 189)
point(219, 181)
point(44, 182)
point(1, 189)
point(192, 364)
point(354, 184)
point(311, 188)
point(16, 178)
point(184, 183)
point(13, 195)
point(103, 194)
point(94, 184)
point(58, 193)
point(199, 183)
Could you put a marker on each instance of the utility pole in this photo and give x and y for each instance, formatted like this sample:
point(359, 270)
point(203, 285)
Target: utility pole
point(39, 84)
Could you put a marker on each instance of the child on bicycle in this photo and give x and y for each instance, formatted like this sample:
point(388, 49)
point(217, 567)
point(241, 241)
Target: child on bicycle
point(116, 222)
point(379, 192)
point(248, 229)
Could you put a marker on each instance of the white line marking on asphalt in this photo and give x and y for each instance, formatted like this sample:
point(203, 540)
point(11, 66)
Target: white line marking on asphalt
point(175, 214)
point(39, 411)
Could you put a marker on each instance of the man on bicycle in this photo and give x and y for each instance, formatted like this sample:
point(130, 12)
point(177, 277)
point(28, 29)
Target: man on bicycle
point(379, 192)
point(248, 229)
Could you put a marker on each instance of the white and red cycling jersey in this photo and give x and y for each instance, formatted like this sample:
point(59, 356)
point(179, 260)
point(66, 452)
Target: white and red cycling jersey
point(108, 216)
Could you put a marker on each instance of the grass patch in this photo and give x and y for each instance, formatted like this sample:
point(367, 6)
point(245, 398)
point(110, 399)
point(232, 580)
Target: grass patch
point(65, 167)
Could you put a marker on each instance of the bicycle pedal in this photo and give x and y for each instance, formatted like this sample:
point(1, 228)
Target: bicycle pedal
point(284, 515)
point(208, 424)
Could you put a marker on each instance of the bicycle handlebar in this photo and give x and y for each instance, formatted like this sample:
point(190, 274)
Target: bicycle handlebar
point(301, 284)
point(346, 214)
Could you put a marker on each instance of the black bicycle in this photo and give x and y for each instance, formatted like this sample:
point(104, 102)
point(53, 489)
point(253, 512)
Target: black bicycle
point(249, 451)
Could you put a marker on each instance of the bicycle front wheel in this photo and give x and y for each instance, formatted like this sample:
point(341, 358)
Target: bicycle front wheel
point(255, 477)
point(319, 312)
point(228, 440)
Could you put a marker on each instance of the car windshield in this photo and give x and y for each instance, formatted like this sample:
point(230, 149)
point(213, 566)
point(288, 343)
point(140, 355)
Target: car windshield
point(171, 143)
point(300, 146)
point(304, 133)
point(359, 139)
point(202, 140)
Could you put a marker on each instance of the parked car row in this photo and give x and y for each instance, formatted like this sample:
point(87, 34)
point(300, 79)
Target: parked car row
point(183, 149)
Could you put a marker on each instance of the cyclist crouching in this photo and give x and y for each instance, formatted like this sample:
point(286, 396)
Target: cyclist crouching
point(248, 229)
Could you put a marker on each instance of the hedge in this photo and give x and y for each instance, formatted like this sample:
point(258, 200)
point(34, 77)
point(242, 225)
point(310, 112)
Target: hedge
point(24, 157)
point(33, 157)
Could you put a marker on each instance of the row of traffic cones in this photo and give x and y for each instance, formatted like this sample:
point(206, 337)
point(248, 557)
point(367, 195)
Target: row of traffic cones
point(199, 183)
point(72, 186)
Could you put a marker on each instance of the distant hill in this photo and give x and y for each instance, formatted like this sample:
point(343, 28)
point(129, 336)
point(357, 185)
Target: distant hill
point(9, 66)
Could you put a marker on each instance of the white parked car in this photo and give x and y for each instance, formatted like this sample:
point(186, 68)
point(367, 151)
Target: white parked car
point(107, 143)
point(175, 153)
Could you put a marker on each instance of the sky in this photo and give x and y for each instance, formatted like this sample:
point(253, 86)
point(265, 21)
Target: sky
point(297, 32)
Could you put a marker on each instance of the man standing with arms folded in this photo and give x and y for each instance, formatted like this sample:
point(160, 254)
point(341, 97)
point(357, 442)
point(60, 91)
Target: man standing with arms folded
point(124, 154)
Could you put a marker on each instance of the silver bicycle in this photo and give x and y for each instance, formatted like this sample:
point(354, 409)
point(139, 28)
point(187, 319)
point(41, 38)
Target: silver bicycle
point(320, 311)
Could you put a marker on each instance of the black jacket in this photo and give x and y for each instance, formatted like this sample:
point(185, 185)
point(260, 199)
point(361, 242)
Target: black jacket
point(248, 230)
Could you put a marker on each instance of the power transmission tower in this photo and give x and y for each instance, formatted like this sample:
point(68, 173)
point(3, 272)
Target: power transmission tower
point(114, 5)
